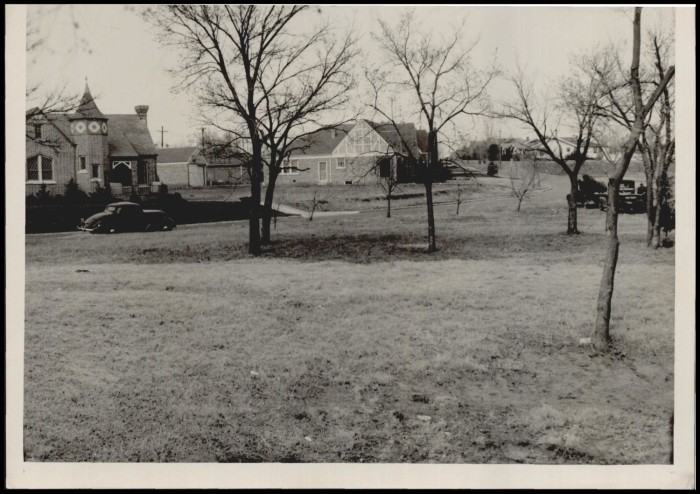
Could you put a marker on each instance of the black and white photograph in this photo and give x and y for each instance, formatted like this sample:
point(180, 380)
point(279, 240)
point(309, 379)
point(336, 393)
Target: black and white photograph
point(350, 246)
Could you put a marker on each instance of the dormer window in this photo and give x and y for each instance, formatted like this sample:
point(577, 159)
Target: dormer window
point(37, 131)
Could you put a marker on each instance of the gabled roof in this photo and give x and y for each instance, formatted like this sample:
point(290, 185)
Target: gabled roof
point(219, 155)
point(397, 135)
point(175, 154)
point(322, 142)
point(129, 136)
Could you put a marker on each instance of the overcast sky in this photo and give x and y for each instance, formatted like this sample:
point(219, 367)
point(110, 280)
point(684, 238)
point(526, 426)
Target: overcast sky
point(125, 66)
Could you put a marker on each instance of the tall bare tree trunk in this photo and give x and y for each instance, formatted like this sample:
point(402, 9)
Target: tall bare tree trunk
point(255, 194)
point(572, 223)
point(649, 174)
point(431, 168)
point(267, 209)
point(660, 193)
point(601, 336)
point(388, 205)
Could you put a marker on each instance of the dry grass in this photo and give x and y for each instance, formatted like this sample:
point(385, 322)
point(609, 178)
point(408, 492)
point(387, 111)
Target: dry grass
point(340, 341)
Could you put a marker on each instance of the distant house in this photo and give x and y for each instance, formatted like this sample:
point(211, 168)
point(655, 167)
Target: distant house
point(90, 147)
point(175, 167)
point(349, 154)
point(564, 145)
point(519, 147)
point(190, 167)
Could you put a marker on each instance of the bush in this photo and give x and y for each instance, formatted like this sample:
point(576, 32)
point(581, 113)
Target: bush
point(492, 169)
point(589, 187)
point(493, 152)
point(73, 194)
point(43, 196)
point(442, 173)
point(667, 217)
point(102, 195)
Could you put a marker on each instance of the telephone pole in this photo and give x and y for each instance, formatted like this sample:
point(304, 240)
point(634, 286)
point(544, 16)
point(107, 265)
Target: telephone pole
point(162, 132)
point(206, 174)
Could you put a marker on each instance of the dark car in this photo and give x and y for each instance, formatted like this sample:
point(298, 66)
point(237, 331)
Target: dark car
point(127, 217)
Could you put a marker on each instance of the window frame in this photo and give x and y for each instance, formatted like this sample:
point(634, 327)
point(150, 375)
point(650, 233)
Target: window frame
point(40, 170)
point(38, 135)
point(82, 164)
point(93, 167)
point(291, 167)
point(338, 161)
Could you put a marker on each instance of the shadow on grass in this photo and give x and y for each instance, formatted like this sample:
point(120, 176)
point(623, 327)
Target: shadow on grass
point(370, 248)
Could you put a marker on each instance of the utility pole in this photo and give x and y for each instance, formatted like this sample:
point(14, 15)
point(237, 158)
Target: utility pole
point(206, 174)
point(162, 132)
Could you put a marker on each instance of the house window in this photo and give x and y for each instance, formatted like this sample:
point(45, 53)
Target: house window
point(96, 171)
point(37, 131)
point(291, 167)
point(83, 164)
point(39, 168)
point(340, 163)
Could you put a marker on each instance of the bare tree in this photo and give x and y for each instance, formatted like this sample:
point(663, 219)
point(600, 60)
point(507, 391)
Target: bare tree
point(263, 80)
point(458, 196)
point(314, 202)
point(388, 180)
point(620, 91)
point(658, 140)
point(45, 101)
point(576, 104)
point(523, 179)
point(442, 81)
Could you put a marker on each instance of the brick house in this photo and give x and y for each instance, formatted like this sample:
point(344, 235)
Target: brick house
point(350, 154)
point(90, 147)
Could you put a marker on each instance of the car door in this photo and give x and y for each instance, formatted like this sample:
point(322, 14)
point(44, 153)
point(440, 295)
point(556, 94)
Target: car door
point(130, 219)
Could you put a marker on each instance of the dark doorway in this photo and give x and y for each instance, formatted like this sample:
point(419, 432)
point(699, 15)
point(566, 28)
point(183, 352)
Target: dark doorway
point(142, 172)
point(385, 167)
point(121, 174)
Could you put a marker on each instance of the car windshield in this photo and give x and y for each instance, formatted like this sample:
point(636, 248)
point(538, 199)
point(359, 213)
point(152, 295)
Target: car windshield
point(111, 209)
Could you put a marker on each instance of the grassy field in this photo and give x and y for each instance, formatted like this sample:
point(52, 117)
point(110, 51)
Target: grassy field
point(347, 342)
point(357, 197)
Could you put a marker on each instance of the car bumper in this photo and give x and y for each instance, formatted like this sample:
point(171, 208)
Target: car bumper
point(85, 228)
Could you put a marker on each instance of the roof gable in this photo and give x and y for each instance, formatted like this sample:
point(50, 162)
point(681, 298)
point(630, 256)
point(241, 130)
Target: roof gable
point(321, 142)
point(175, 154)
point(129, 136)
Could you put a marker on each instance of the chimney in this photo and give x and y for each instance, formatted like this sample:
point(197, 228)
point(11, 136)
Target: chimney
point(141, 111)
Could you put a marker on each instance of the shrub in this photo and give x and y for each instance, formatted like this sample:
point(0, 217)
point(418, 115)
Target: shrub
point(589, 187)
point(492, 169)
point(667, 212)
point(493, 152)
point(73, 194)
point(102, 195)
point(43, 195)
